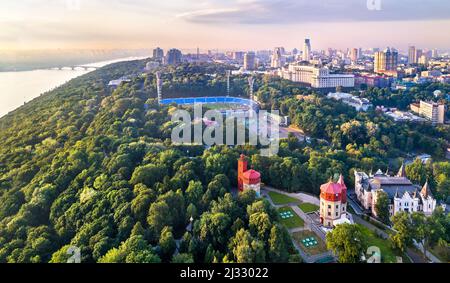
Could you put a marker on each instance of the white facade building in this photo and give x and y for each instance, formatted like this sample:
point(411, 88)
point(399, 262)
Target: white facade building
point(317, 77)
point(402, 194)
point(360, 104)
point(433, 111)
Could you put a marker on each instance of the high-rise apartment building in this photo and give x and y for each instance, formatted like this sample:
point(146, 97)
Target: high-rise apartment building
point(412, 55)
point(434, 53)
point(419, 53)
point(249, 61)
point(238, 56)
point(386, 60)
point(277, 58)
point(158, 53)
point(307, 50)
point(423, 60)
point(173, 57)
point(354, 55)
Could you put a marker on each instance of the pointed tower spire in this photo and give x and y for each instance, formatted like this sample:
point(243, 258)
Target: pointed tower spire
point(341, 181)
point(402, 171)
point(426, 190)
point(397, 194)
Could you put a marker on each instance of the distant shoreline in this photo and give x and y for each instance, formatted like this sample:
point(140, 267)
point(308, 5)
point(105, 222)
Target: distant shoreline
point(20, 87)
point(65, 65)
point(50, 60)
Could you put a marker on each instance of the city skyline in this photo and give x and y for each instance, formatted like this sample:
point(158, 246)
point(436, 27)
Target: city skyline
point(216, 24)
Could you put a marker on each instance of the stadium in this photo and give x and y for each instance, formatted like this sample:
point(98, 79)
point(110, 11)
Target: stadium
point(220, 103)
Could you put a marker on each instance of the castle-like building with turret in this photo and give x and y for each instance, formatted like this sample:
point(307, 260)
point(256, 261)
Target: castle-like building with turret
point(402, 193)
point(248, 179)
point(333, 203)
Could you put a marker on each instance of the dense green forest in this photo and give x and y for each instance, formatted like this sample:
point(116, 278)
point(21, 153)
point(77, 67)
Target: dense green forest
point(92, 167)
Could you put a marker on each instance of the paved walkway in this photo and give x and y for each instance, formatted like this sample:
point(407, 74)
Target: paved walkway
point(429, 255)
point(355, 206)
point(309, 223)
point(415, 257)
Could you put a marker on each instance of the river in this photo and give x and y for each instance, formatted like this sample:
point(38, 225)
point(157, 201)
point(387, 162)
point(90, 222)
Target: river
point(16, 88)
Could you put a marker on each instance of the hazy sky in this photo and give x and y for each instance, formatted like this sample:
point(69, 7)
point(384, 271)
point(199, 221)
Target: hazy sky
point(231, 24)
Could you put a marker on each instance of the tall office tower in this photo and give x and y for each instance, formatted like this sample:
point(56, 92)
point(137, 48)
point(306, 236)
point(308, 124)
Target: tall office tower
point(434, 53)
point(158, 53)
point(386, 60)
point(354, 55)
point(307, 50)
point(419, 53)
point(173, 57)
point(277, 58)
point(412, 55)
point(238, 56)
point(360, 53)
point(249, 61)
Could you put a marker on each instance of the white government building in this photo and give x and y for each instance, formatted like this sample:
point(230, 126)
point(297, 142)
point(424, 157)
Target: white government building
point(317, 77)
point(403, 195)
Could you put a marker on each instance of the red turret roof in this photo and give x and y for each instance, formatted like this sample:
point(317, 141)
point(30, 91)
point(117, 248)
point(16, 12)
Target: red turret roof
point(252, 177)
point(334, 191)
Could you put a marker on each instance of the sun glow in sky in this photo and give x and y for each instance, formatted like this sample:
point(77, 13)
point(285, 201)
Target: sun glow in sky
point(222, 24)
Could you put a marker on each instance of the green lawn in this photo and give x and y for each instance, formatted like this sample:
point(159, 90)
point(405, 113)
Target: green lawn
point(388, 255)
point(308, 207)
point(293, 222)
point(280, 199)
point(315, 250)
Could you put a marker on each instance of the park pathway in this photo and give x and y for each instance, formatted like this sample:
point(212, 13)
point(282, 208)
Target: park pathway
point(309, 223)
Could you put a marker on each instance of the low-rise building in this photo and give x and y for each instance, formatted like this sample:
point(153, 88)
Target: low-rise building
point(118, 82)
point(360, 104)
point(373, 80)
point(401, 116)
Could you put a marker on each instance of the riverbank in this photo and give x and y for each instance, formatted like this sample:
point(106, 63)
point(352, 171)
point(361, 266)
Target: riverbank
point(21, 87)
